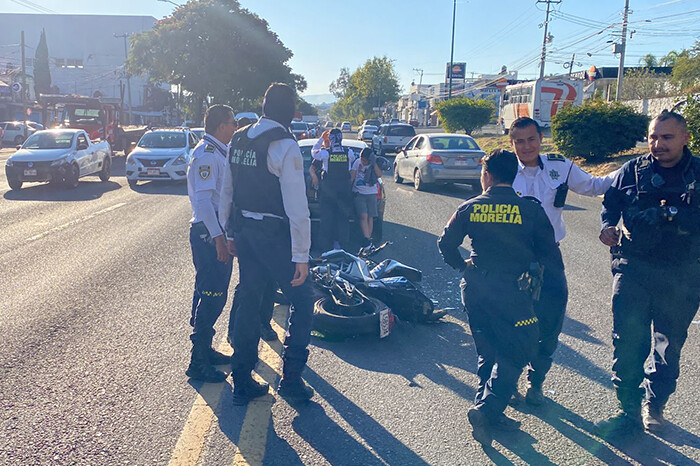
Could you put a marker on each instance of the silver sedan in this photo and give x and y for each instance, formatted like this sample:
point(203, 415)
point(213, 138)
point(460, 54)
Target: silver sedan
point(439, 158)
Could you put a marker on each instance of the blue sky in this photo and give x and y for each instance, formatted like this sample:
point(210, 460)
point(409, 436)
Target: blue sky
point(327, 35)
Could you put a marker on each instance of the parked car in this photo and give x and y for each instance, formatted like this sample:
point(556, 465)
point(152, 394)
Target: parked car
point(346, 126)
point(300, 130)
point(161, 155)
point(58, 155)
point(250, 115)
point(35, 126)
point(199, 132)
point(14, 132)
point(439, 158)
point(373, 122)
point(313, 195)
point(391, 137)
point(366, 132)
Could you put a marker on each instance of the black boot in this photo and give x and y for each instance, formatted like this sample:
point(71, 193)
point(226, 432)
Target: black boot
point(622, 425)
point(245, 388)
point(293, 389)
point(201, 368)
point(217, 359)
point(481, 426)
point(653, 416)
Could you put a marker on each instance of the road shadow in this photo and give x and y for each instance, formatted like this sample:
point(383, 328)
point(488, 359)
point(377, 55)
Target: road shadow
point(573, 207)
point(174, 188)
point(580, 331)
point(644, 448)
point(454, 190)
point(565, 356)
point(90, 188)
point(315, 427)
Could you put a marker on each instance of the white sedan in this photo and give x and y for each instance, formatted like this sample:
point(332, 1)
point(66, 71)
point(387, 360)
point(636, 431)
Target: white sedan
point(366, 132)
point(161, 155)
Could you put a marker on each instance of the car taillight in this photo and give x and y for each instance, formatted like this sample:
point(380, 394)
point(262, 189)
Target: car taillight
point(385, 139)
point(434, 158)
point(379, 192)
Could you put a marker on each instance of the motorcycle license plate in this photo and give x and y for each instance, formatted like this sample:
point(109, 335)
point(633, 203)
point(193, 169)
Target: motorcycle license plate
point(30, 172)
point(384, 328)
point(153, 172)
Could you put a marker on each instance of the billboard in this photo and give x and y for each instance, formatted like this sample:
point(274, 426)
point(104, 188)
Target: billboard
point(459, 71)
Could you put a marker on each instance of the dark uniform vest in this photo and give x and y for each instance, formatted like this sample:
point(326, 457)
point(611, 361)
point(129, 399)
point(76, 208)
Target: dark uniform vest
point(338, 173)
point(255, 189)
point(667, 242)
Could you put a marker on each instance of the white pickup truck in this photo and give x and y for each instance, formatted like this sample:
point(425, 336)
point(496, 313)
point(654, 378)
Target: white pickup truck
point(58, 156)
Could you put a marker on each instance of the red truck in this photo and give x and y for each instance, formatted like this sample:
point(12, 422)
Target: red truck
point(100, 118)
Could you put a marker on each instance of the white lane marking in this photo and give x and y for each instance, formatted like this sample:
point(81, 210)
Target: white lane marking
point(76, 221)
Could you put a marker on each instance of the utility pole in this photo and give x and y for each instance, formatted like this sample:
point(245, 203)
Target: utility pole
point(546, 28)
point(621, 66)
point(24, 90)
point(128, 78)
point(452, 50)
point(571, 65)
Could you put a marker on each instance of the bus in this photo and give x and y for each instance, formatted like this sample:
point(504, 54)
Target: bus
point(539, 100)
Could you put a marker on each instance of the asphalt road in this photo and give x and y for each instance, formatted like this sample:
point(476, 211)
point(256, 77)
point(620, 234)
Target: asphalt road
point(97, 284)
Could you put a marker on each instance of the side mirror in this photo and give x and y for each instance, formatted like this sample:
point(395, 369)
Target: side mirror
point(19, 146)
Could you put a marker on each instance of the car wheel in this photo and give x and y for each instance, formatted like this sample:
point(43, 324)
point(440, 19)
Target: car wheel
point(397, 178)
point(106, 169)
point(18, 140)
point(132, 183)
point(14, 182)
point(72, 179)
point(418, 182)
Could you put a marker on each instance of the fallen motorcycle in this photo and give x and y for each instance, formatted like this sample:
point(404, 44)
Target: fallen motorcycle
point(349, 280)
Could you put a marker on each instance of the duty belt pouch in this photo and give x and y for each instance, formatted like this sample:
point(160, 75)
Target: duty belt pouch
point(562, 190)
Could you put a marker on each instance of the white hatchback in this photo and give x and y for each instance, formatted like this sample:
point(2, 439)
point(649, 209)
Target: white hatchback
point(161, 155)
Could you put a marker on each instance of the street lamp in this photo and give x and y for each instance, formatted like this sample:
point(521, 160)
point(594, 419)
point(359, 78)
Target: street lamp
point(452, 49)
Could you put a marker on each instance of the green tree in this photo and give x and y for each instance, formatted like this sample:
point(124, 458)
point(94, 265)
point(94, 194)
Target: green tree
point(217, 51)
point(686, 72)
point(338, 87)
point(306, 108)
point(649, 60)
point(372, 85)
point(597, 129)
point(643, 84)
point(464, 113)
point(42, 74)
point(691, 113)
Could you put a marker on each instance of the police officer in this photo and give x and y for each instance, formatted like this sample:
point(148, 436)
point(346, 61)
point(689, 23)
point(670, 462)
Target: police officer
point(548, 178)
point(336, 189)
point(656, 269)
point(510, 236)
point(212, 261)
point(269, 222)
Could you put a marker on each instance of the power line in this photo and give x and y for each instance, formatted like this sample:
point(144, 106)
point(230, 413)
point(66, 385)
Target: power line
point(33, 6)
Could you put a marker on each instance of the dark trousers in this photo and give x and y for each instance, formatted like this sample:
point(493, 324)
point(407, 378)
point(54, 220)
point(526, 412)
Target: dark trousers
point(550, 311)
point(650, 301)
point(210, 285)
point(264, 256)
point(505, 332)
point(267, 307)
point(336, 208)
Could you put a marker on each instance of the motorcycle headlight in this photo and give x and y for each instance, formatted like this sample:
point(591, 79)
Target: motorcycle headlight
point(180, 160)
point(9, 163)
point(61, 161)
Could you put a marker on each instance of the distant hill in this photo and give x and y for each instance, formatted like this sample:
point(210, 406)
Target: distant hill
point(317, 99)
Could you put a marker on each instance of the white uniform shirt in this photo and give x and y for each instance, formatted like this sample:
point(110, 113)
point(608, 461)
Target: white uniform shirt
point(205, 176)
point(543, 183)
point(284, 160)
point(322, 154)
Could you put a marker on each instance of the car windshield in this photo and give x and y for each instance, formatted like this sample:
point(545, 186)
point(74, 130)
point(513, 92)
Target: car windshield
point(163, 140)
point(298, 126)
point(401, 131)
point(453, 142)
point(49, 140)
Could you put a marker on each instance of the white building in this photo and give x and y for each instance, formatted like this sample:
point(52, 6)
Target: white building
point(84, 54)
